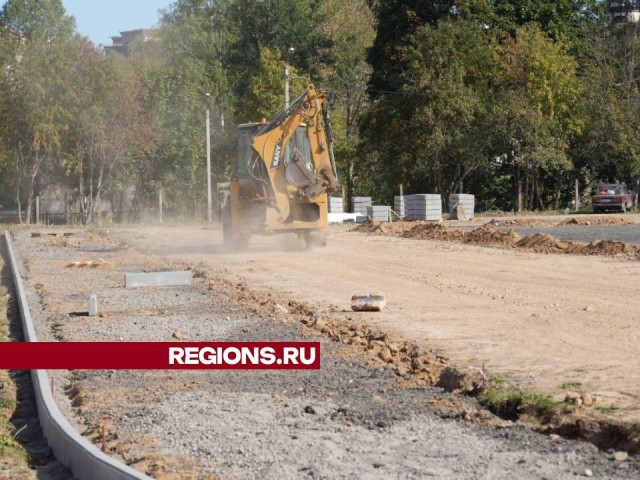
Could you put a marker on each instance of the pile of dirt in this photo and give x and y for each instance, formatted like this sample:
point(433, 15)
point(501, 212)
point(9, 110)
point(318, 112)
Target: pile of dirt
point(368, 227)
point(484, 235)
point(375, 228)
point(383, 228)
point(610, 247)
point(433, 231)
point(545, 243)
point(580, 221)
point(488, 235)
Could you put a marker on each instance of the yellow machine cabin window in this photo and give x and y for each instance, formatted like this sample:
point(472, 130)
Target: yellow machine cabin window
point(300, 143)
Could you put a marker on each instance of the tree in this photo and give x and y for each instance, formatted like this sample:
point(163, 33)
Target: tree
point(34, 20)
point(609, 146)
point(33, 80)
point(350, 26)
point(264, 96)
point(535, 115)
point(177, 72)
point(431, 135)
point(397, 24)
point(559, 19)
point(276, 25)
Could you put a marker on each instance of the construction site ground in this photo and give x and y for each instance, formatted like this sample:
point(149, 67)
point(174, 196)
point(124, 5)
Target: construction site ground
point(540, 322)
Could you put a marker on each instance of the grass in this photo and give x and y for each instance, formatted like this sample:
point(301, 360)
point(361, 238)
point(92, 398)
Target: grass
point(608, 408)
point(496, 380)
point(514, 404)
point(13, 457)
point(571, 385)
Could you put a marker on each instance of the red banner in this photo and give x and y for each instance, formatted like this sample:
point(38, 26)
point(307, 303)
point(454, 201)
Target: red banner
point(159, 355)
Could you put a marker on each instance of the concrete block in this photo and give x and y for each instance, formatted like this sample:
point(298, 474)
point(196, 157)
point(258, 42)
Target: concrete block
point(336, 205)
point(374, 302)
point(466, 200)
point(157, 279)
point(93, 305)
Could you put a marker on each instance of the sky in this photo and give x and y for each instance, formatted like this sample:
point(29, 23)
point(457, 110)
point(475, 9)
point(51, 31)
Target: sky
point(102, 19)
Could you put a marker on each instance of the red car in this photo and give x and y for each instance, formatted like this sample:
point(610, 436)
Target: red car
point(612, 196)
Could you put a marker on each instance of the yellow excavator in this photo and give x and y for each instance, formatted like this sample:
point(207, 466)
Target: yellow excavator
point(284, 170)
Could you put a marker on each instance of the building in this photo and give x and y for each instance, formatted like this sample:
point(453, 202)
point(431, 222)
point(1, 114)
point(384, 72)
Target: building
point(623, 11)
point(122, 42)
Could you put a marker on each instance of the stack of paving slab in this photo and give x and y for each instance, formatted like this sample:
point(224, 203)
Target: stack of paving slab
point(423, 206)
point(399, 206)
point(360, 204)
point(467, 201)
point(379, 213)
point(336, 205)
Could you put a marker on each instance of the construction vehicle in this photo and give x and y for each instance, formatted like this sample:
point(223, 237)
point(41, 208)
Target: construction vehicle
point(283, 172)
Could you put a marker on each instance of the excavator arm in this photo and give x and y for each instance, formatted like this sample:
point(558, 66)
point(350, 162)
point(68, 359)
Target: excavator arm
point(298, 177)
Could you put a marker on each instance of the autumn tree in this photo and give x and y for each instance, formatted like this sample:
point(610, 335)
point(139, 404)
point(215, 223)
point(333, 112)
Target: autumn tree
point(536, 114)
point(33, 82)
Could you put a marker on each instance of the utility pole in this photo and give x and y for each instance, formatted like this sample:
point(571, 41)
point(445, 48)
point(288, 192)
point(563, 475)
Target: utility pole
point(160, 202)
point(208, 129)
point(286, 77)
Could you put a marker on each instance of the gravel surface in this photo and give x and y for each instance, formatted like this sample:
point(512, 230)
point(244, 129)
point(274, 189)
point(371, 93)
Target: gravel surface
point(351, 419)
point(586, 234)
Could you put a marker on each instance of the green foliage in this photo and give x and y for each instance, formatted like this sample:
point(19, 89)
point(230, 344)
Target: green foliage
point(559, 19)
point(34, 84)
point(264, 97)
point(514, 404)
point(609, 146)
point(36, 19)
point(469, 108)
point(571, 385)
point(509, 100)
point(398, 22)
point(431, 136)
point(276, 25)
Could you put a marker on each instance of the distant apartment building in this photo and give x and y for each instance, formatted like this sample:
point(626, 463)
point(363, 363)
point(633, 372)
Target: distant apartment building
point(122, 42)
point(623, 11)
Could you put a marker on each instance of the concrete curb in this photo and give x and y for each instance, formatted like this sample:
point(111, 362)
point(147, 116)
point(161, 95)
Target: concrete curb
point(75, 452)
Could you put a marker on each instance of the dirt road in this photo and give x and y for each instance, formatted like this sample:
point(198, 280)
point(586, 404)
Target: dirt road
point(541, 321)
point(353, 418)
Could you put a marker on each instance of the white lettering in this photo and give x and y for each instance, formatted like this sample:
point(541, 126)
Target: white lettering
point(176, 355)
point(290, 355)
point(311, 358)
point(237, 356)
point(191, 355)
point(268, 356)
point(207, 356)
